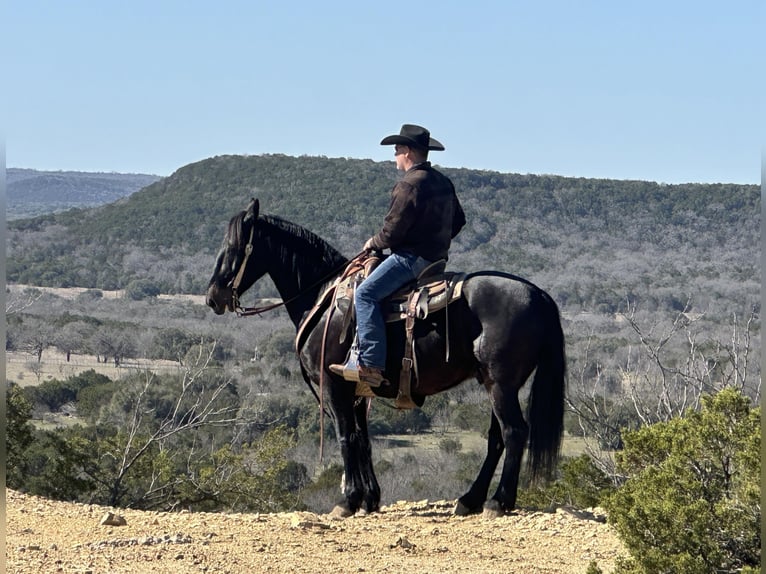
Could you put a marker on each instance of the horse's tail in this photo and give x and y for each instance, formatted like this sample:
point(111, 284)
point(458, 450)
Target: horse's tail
point(546, 400)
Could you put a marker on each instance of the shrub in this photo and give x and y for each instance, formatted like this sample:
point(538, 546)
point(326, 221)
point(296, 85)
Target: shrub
point(54, 394)
point(580, 484)
point(471, 417)
point(140, 289)
point(691, 501)
point(392, 421)
point(450, 446)
point(90, 295)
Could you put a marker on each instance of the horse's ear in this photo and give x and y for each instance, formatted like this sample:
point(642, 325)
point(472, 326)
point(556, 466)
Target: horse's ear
point(253, 208)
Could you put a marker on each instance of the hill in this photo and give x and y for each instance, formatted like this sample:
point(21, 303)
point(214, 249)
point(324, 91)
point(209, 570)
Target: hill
point(46, 536)
point(594, 244)
point(31, 192)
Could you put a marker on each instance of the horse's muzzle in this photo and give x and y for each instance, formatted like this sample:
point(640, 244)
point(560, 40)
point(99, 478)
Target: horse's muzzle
point(218, 300)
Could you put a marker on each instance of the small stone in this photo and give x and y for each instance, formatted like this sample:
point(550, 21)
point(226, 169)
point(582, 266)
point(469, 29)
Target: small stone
point(402, 542)
point(111, 519)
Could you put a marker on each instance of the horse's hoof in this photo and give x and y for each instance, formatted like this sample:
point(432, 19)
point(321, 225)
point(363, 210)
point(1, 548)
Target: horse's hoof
point(493, 509)
point(462, 510)
point(370, 508)
point(341, 511)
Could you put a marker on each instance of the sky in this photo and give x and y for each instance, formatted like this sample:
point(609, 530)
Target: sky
point(666, 91)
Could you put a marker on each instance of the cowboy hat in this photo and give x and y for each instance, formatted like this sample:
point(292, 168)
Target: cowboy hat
point(413, 136)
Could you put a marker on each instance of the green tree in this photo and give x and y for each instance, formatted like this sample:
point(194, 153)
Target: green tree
point(691, 501)
point(172, 344)
point(54, 393)
point(90, 400)
point(18, 433)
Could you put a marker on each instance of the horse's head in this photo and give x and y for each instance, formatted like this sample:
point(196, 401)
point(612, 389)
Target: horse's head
point(236, 268)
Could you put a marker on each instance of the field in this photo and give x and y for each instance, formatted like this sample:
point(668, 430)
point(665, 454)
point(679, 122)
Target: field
point(23, 368)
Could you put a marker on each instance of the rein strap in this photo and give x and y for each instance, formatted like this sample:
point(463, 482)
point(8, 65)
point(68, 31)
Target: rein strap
point(250, 311)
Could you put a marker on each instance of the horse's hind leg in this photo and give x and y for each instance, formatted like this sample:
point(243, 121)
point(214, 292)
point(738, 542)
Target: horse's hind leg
point(515, 431)
point(473, 500)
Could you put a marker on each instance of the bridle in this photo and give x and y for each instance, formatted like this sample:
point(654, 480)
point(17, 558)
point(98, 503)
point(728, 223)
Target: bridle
point(237, 281)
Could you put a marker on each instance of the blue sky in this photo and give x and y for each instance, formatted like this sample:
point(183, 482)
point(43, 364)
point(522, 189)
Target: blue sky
point(665, 91)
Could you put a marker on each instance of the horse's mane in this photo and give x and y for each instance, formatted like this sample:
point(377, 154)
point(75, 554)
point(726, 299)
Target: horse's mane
point(295, 240)
point(304, 241)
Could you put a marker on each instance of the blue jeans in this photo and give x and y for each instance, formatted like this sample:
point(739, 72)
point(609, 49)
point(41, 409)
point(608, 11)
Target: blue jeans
point(394, 272)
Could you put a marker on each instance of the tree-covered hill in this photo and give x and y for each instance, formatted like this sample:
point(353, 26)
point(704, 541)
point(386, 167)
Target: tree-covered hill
point(31, 192)
point(591, 243)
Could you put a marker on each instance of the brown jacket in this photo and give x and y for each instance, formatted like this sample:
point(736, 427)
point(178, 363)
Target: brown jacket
point(424, 215)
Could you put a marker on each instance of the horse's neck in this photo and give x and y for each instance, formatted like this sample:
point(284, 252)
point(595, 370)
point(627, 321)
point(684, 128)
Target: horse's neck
point(298, 274)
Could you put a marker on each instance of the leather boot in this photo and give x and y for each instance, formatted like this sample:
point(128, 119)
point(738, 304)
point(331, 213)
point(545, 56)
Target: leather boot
point(371, 376)
point(360, 374)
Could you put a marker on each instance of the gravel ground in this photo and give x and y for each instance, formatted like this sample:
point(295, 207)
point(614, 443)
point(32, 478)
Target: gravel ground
point(44, 536)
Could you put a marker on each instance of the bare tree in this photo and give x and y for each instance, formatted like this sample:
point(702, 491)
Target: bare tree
point(195, 406)
point(666, 373)
point(669, 376)
point(35, 337)
point(16, 302)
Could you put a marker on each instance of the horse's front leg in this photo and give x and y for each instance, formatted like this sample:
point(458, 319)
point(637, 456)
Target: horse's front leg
point(370, 482)
point(360, 487)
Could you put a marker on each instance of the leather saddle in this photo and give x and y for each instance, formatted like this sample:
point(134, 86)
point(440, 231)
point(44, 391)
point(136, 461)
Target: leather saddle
point(433, 290)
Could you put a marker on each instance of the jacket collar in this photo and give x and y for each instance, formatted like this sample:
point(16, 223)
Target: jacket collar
point(421, 165)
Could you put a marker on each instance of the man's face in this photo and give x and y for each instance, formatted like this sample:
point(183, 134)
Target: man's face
point(401, 152)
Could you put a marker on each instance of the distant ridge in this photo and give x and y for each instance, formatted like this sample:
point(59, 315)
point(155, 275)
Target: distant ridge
point(31, 192)
point(594, 244)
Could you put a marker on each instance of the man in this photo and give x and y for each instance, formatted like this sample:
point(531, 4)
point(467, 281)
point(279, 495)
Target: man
point(422, 219)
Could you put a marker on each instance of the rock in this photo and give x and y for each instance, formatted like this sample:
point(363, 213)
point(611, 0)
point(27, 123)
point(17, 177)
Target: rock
point(402, 542)
point(112, 519)
point(597, 515)
point(303, 522)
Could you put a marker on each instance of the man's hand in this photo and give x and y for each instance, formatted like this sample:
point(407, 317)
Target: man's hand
point(368, 246)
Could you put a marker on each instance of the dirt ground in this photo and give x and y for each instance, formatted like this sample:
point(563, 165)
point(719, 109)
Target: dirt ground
point(44, 536)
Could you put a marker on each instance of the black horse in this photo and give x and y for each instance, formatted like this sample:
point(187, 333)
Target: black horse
point(502, 330)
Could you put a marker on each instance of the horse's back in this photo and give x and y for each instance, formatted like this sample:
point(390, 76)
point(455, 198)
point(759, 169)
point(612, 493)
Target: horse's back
point(514, 316)
point(494, 292)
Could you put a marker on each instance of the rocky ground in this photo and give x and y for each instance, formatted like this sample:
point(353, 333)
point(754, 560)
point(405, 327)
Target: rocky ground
point(44, 536)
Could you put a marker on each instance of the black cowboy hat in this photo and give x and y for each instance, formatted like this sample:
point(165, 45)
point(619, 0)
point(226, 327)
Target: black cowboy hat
point(413, 136)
